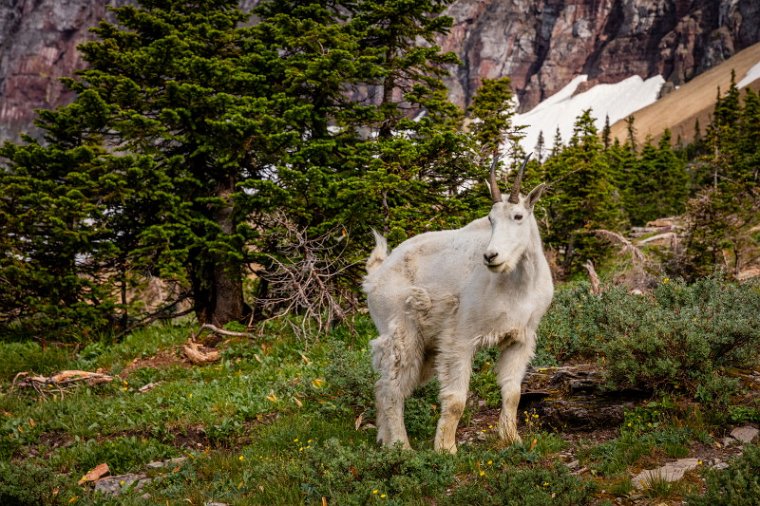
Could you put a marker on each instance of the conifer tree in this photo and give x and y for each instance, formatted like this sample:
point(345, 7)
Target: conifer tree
point(583, 196)
point(606, 132)
point(726, 208)
point(204, 128)
point(540, 148)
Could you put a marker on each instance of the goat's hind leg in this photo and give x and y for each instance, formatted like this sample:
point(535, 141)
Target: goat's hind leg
point(454, 371)
point(399, 367)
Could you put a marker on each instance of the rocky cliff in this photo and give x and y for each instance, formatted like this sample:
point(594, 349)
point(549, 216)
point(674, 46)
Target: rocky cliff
point(38, 40)
point(541, 44)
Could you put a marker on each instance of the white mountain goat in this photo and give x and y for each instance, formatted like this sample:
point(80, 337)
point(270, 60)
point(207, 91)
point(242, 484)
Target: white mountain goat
point(440, 296)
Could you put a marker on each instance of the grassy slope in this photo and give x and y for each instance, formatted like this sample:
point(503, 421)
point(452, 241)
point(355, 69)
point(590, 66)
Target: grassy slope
point(275, 422)
point(694, 100)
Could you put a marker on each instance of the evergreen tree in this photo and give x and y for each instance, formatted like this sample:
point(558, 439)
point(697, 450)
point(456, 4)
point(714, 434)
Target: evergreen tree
point(630, 139)
point(726, 208)
point(540, 148)
point(659, 187)
point(201, 129)
point(583, 196)
point(492, 114)
point(606, 132)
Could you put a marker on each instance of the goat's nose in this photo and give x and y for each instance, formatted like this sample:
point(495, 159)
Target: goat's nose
point(489, 257)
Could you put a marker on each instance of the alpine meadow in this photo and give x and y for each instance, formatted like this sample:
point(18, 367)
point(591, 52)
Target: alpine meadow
point(183, 249)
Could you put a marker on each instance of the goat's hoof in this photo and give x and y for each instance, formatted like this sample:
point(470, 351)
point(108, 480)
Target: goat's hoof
point(446, 449)
point(510, 437)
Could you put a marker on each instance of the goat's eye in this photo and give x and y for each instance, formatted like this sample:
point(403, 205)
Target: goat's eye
point(518, 217)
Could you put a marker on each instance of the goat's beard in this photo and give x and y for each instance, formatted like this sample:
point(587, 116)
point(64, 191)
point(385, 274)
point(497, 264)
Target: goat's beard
point(508, 265)
point(504, 267)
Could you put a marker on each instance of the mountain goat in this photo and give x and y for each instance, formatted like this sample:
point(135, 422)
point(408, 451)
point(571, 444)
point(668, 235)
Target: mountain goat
point(440, 296)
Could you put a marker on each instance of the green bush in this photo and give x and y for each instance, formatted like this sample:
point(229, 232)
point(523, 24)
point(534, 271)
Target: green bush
point(679, 338)
point(28, 484)
point(518, 486)
point(687, 335)
point(359, 474)
point(739, 485)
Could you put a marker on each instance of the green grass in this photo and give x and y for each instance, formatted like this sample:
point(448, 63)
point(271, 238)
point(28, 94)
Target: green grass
point(274, 422)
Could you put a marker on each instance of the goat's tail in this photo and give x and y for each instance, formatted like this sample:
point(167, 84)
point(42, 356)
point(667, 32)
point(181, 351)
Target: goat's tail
point(379, 254)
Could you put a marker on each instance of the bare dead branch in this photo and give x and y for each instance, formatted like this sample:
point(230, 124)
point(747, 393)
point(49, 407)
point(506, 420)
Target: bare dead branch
point(305, 276)
point(627, 246)
point(222, 332)
point(596, 286)
point(59, 382)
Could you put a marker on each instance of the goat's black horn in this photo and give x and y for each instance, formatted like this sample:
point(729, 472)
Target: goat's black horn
point(495, 192)
point(514, 197)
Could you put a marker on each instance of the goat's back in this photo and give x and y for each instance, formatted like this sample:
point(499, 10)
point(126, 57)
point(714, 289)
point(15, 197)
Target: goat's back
point(437, 261)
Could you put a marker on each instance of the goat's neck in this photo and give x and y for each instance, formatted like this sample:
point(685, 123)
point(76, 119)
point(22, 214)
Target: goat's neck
point(530, 264)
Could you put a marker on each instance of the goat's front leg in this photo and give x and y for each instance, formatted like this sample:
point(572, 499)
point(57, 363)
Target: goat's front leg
point(454, 375)
point(510, 371)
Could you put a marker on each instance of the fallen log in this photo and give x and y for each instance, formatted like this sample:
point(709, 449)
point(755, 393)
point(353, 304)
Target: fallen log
point(58, 382)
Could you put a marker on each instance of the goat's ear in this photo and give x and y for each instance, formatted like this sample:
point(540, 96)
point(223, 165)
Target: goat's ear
point(535, 194)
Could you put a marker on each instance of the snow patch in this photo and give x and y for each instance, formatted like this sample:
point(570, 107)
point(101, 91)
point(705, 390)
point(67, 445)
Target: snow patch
point(617, 101)
point(751, 75)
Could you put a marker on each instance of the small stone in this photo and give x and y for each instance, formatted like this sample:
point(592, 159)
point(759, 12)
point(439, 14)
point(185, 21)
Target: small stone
point(166, 463)
point(720, 465)
point(115, 485)
point(672, 471)
point(573, 464)
point(147, 388)
point(728, 441)
point(745, 434)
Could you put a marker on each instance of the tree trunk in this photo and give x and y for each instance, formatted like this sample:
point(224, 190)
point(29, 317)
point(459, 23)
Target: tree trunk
point(218, 280)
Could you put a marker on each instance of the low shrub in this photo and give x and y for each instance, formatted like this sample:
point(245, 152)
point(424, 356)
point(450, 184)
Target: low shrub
point(678, 339)
point(739, 485)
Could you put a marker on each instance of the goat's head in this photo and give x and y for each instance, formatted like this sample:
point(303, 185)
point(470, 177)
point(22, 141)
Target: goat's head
point(512, 222)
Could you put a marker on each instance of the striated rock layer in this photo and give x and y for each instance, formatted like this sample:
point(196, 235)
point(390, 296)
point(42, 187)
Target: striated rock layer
point(543, 44)
point(38, 40)
point(540, 44)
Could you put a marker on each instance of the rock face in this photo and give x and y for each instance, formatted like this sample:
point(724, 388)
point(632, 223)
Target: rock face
point(38, 41)
point(543, 44)
point(540, 44)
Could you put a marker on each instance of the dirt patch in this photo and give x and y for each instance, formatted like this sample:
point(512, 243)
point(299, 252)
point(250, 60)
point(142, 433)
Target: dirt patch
point(161, 360)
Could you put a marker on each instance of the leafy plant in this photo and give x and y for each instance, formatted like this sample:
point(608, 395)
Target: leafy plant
point(739, 485)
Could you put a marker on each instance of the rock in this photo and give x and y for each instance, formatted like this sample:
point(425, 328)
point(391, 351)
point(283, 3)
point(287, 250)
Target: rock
point(542, 45)
point(728, 441)
point(720, 465)
point(673, 471)
point(115, 485)
point(745, 434)
point(166, 463)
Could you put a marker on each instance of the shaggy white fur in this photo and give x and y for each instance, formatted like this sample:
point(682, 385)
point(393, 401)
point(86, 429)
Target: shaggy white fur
point(440, 296)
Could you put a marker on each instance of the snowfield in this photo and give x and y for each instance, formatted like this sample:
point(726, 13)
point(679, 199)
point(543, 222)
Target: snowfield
point(561, 109)
point(751, 75)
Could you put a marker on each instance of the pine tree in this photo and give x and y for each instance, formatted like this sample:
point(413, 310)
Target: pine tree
point(540, 148)
point(50, 247)
point(606, 132)
point(726, 207)
point(583, 196)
